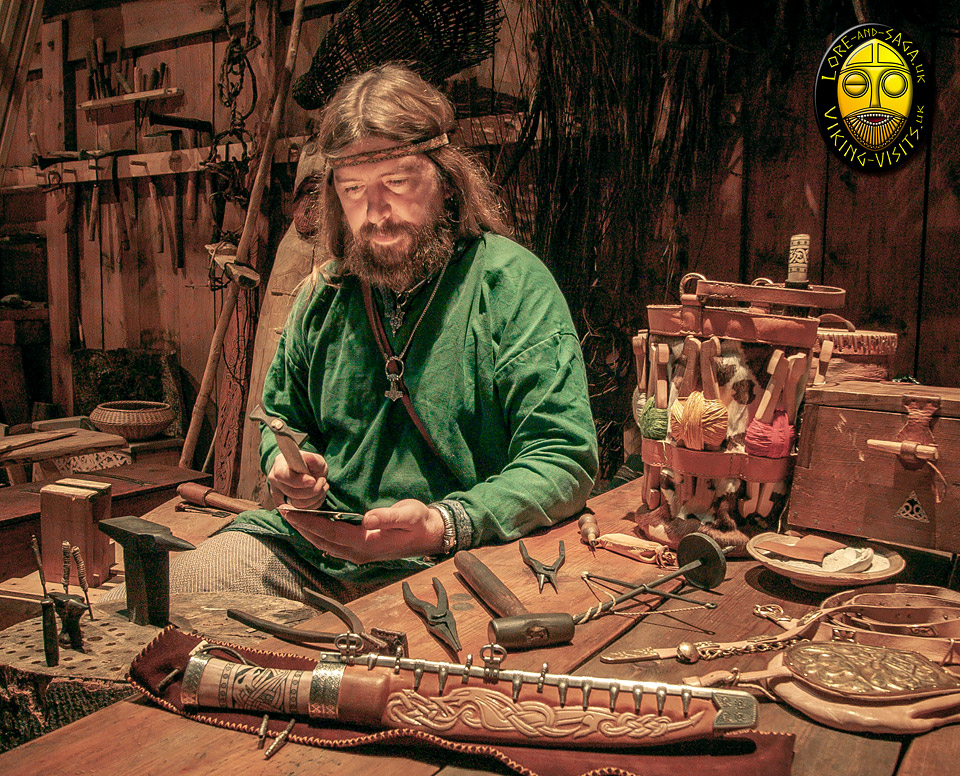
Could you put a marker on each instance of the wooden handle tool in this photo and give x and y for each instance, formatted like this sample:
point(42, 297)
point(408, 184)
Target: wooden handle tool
point(796, 377)
point(288, 440)
point(204, 496)
point(662, 391)
point(691, 356)
point(158, 213)
point(93, 217)
point(777, 368)
point(826, 351)
point(709, 351)
point(640, 359)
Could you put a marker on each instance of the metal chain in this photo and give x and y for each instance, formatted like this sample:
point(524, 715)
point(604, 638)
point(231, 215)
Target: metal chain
point(711, 650)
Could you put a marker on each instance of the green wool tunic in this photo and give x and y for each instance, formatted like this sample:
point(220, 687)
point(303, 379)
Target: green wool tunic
point(495, 373)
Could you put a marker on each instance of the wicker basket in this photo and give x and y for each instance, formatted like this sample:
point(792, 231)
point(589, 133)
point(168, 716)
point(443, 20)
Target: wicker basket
point(133, 420)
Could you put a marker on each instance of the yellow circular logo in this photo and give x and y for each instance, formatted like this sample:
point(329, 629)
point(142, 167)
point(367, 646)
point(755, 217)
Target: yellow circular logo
point(873, 97)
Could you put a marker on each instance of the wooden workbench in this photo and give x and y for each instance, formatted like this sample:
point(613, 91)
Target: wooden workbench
point(134, 736)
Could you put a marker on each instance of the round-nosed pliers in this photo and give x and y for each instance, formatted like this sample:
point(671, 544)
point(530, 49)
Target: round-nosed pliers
point(439, 618)
point(544, 572)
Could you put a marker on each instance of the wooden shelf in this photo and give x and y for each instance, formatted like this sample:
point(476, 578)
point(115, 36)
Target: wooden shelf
point(124, 99)
point(472, 131)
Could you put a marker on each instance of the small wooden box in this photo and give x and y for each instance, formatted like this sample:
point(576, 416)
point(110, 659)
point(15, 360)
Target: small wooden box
point(844, 484)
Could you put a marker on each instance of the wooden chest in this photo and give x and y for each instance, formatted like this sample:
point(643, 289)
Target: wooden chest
point(880, 460)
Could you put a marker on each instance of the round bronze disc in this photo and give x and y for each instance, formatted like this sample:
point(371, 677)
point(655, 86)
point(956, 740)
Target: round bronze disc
point(713, 563)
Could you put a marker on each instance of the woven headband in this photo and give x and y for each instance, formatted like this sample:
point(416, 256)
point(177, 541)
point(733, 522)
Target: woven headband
point(395, 152)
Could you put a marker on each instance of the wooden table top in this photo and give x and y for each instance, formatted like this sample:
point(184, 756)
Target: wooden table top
point(134, 736)
point(79, 442)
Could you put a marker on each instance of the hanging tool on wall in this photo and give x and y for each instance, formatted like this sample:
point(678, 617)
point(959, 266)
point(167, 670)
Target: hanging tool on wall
point(197, 128)
point(175, 161)
point(159, 217)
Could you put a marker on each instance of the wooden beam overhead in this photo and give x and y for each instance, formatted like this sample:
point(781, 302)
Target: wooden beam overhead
point(133, 24)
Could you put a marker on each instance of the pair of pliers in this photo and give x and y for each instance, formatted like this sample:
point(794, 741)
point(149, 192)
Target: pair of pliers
point(544, 573)
point(439, 618)
point(379, 640)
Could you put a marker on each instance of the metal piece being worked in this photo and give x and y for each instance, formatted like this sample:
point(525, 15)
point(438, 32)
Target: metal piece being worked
point(544, 573)
point(439, 618)
point(146, 557)
point(288, 440)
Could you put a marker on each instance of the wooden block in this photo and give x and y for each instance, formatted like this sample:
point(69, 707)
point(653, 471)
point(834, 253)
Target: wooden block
point(69, 512)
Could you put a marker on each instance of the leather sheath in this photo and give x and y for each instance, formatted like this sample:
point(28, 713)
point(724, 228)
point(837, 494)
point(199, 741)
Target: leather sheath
point(743, 752)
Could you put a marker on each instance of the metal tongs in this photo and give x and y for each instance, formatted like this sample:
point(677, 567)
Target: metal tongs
point(379, 640)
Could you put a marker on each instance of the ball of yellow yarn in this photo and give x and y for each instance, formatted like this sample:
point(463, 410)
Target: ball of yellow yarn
point(697, 422)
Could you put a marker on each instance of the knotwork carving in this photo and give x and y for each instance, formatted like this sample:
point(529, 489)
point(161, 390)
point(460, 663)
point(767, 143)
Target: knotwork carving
point(487, 709)
point(864, 671)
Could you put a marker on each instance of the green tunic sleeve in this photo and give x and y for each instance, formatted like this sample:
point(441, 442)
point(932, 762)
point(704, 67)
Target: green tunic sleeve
point(549, 440)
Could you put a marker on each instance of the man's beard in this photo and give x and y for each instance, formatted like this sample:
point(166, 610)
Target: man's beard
point(398, 266)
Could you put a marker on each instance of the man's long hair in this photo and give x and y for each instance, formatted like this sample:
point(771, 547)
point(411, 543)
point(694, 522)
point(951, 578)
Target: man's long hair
point(393, 102)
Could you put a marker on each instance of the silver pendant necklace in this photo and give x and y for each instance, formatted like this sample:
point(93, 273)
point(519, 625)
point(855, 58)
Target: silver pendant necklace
point(394, 364)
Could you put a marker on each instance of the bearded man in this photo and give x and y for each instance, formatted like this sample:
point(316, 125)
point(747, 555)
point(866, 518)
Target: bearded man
point(432, 363)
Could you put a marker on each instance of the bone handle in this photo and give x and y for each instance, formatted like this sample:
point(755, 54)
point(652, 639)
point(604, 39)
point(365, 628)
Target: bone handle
point(906, 449)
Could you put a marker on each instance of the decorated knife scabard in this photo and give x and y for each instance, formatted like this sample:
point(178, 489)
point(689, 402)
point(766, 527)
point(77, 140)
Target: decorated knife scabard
point(473, 703)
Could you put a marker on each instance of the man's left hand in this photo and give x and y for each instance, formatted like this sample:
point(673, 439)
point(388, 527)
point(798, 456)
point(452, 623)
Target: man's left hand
point(407, 529)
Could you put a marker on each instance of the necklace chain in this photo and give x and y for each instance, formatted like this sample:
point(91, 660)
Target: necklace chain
point(393, 365)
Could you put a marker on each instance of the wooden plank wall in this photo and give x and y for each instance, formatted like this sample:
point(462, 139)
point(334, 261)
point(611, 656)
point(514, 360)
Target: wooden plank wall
point(890, 240)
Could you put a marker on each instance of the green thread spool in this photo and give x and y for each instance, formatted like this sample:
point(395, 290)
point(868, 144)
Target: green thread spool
point(653, 420)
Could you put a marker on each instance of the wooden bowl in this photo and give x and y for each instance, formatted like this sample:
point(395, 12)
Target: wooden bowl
point(133, 420)
point(820, 581)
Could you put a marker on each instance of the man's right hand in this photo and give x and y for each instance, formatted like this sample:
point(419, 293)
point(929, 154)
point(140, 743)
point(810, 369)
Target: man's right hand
point(303, 491)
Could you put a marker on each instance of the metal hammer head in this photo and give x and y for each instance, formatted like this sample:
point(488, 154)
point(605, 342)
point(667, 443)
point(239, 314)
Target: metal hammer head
point(278, 425)
point(531, 631)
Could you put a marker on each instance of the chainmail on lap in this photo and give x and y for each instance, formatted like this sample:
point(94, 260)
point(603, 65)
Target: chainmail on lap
point(242, 563)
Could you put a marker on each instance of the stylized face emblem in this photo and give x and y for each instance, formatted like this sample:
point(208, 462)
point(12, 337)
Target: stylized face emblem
point(874, 94)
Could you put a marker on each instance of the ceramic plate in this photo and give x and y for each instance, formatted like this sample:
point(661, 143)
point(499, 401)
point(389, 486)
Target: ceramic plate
point(886, 564)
